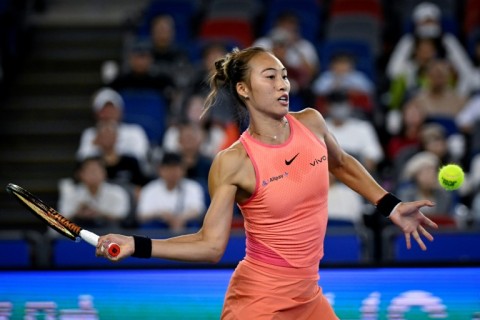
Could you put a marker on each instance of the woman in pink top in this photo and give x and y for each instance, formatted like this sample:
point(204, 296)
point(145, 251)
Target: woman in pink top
point(277, 173)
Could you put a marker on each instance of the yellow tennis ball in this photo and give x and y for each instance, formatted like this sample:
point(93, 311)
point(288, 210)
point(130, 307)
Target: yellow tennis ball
point(451, 176)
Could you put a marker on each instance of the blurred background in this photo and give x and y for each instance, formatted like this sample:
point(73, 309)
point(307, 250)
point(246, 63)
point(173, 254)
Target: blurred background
point(100, 103)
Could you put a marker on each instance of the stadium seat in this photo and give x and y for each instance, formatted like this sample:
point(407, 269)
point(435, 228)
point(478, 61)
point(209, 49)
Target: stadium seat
point(359, 50)
point(448, 123)
point(449, 246)
point(15, 253)
point(22, 249)
point(236, 30)
point(371, 8)
point(472, 16)
point(346, 244)
point(356, 27)
point(148, 109)
point(234, 9)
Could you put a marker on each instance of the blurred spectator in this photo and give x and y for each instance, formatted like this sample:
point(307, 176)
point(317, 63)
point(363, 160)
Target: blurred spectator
point(121, 169)
point(356, 136)
point(171, 200)
point(437, 98)
point(220, 123)
point(420, 182)
point(469, 115)
point(434, 139)
point(211, 52)
point(140, 73)
point(344, 204)
point(132, 139)
point(476, 210)
point(342, 75)
point(408, 77)
point(92, 201)
point(468, 123)
point(427, 25)
point(218, 128)
point(301, 53)
point(476, 62)
point(412, 121)
point(190, 139)
point(298, 74)
point(170, 58)
point(474, 182)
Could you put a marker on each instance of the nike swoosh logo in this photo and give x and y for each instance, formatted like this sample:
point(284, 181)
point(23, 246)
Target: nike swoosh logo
point(289, 162)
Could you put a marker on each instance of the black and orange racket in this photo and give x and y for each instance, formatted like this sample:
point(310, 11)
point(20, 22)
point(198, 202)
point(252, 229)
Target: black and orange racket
point(55, 220)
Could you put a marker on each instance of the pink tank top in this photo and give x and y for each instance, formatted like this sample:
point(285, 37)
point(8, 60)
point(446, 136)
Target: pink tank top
point(286, 216)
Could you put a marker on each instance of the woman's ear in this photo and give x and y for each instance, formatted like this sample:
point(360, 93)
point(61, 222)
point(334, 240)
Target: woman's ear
point(242, 90)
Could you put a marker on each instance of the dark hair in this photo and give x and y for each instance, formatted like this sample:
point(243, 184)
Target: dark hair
point(80, 164)
point(229, 71)
point(171, 159)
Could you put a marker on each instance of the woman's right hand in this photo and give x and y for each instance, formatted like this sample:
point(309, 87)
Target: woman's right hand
point(126, 243)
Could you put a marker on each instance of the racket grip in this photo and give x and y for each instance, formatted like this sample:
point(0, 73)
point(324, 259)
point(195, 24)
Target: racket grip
point(92, 238)
point(113, 249)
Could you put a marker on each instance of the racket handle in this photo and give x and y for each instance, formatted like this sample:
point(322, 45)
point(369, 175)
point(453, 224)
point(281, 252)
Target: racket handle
point(92, 238)
point(113, 249)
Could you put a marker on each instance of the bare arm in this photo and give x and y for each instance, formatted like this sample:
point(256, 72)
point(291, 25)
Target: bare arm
point(209, 243)
point(344, 167)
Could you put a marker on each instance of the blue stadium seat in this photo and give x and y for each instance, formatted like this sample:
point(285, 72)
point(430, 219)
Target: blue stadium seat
point(346, 245)
point(360, 50)
point(356, 27)
point(450, 245)
point(16, 250)
point(148, 109)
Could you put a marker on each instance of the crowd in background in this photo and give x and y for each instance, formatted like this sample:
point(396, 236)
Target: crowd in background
point(403, 97)
point(424, 114)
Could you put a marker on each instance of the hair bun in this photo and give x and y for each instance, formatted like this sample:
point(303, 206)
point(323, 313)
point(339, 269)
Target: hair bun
point(219, 70)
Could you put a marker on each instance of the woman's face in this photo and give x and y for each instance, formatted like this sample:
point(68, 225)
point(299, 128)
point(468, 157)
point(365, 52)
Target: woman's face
point(269, 86)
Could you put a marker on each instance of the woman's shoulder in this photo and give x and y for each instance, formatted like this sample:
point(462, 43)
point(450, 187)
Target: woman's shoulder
point(311, 118)
point(233, 156)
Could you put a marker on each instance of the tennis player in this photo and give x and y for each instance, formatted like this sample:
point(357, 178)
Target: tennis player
point(277, 173)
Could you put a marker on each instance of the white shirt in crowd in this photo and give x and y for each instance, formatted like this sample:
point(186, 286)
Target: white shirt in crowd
point(111, 200)
point(344, 203)
point(358, 137)
point(155, 198)
point(132, 140)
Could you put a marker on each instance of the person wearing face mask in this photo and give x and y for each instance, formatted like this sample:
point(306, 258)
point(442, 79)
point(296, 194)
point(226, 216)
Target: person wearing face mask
point(427, 24)
point(358, 137)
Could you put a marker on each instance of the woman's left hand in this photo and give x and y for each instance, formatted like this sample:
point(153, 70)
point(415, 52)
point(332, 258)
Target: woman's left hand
point(408, 217)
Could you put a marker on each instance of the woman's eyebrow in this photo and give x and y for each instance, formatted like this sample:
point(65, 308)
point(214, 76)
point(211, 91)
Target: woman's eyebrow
point(273, 69)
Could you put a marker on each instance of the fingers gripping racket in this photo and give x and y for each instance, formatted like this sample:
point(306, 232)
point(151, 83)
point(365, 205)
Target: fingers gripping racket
point(55, 220)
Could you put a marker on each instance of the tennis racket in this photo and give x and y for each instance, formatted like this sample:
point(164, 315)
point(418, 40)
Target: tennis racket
point(55, 220)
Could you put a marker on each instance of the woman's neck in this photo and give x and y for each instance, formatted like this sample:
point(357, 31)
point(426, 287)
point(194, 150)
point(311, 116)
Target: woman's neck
point(271, 131)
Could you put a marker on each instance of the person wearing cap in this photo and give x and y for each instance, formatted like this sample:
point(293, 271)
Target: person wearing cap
point(427, 24)
point(171, 199)
point(132, 139)
point(419, 181)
